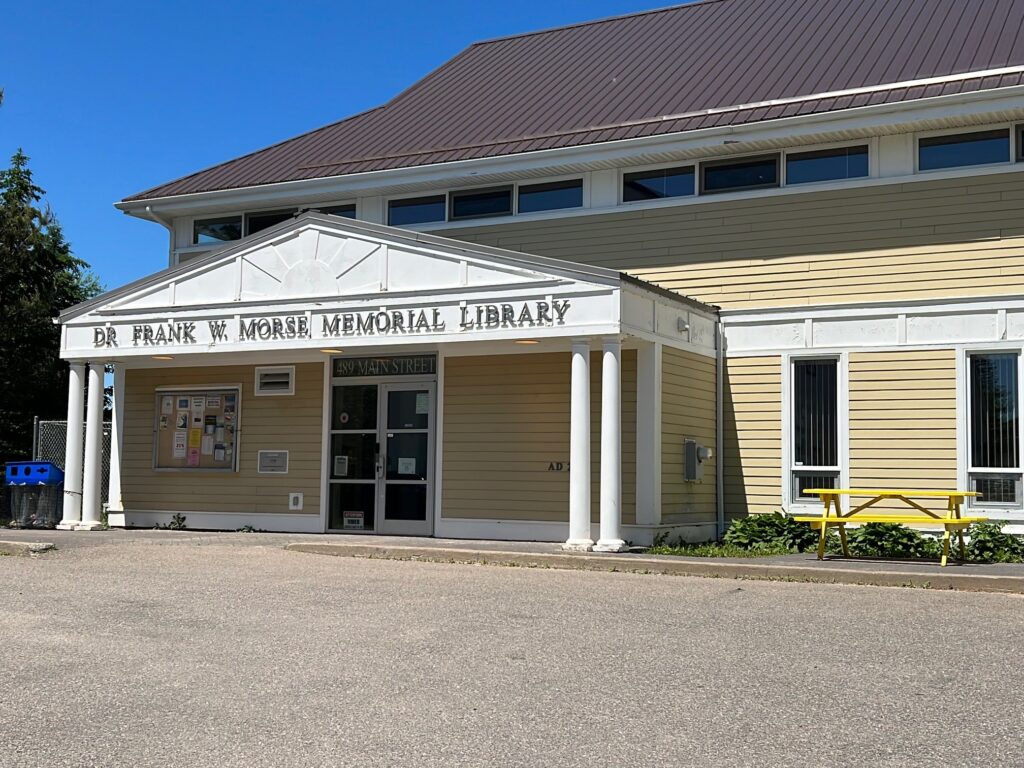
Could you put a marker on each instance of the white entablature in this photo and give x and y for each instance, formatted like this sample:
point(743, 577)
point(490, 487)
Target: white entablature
point(319, 280)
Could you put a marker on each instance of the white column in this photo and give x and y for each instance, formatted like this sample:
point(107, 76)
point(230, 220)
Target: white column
point(72, 514)
point(611, 448)
point(92, 475)
point(116, 436)
point(579, 449)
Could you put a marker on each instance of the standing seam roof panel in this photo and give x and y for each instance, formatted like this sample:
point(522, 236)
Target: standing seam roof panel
point(554, 88)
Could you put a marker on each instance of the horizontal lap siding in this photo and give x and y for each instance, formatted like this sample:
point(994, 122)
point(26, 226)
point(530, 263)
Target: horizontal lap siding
point(687, 411)
point(903, 422)
point(950, 237)
point(752, 402)
point(292, 423)
point(506, 420)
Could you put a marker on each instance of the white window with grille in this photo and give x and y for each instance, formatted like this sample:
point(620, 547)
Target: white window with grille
point(815, 428)
point(994, 429)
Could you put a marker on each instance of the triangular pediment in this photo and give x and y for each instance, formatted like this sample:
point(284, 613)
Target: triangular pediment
point(318, 257)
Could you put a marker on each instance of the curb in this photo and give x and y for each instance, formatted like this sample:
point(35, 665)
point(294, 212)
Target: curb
point(25, 547)
point(672, 567)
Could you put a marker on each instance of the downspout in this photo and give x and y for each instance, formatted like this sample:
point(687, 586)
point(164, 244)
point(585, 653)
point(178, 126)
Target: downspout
point(170, 231)
point(719, 429)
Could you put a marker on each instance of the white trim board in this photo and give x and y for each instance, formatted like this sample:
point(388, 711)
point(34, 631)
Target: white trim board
point(874, 327)
point(219, 521)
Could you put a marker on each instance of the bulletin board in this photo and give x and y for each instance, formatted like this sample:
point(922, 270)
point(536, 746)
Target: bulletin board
point(197, 429)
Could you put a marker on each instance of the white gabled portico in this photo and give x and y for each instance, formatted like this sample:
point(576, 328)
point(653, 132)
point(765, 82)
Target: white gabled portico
point(320, 289)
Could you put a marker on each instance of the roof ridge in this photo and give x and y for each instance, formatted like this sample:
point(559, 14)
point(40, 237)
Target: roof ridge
point(592, 22)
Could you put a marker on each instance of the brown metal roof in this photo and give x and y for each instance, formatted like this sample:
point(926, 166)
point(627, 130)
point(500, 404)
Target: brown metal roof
point(619, 78)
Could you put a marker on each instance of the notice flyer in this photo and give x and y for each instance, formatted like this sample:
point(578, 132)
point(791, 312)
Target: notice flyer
point(180, 441)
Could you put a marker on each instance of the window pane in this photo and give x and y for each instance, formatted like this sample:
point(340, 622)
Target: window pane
point(416, 210)
point(354, 406)
point(406, 502)
point(975, 148)
point(652, 185)
point(348, 211)
point(749, 173)
point(815, 413)
point(481, 202)
point(551, 196)
point(802, 481)
point(217, 230)
point(352, 506)
point(994, 412)
point(997, 489)
point(354, 456)
point(827, 164)
point(256, 222)
point(408, 409)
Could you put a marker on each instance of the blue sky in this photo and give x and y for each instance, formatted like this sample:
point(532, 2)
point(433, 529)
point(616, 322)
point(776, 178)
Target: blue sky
point(110, 98)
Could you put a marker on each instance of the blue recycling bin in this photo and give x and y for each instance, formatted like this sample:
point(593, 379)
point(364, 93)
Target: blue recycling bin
point(35, 490)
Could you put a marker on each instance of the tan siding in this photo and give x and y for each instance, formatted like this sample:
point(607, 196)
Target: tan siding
point(903, 421)
point(687, 411)
point(752, 401)
point(293, 423)
point(506, 419)
point(950, 237)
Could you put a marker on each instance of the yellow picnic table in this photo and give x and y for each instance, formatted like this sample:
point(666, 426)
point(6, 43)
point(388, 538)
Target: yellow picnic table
point(952, 521)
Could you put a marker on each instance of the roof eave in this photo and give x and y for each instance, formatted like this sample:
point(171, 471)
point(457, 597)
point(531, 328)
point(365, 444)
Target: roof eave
point(366, 182)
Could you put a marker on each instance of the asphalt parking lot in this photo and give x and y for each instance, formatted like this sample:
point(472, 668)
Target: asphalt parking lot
point(176, 653)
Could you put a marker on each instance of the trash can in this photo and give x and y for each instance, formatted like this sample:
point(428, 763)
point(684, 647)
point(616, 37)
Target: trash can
point(35, 490)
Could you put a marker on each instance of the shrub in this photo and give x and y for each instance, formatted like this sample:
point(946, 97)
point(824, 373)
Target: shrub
point(891, 540)
point(989, 544)
point(774, 531)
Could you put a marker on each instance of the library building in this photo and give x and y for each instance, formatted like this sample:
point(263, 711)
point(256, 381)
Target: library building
point(629, 278)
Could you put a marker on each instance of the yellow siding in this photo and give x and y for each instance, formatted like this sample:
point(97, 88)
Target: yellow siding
point(292, 423)
point(506, 420)
point(903, 421)
point(687, 411)
point(752, 401)
point(950, 237)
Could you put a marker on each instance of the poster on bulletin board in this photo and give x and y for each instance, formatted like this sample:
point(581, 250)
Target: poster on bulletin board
point(204, 433)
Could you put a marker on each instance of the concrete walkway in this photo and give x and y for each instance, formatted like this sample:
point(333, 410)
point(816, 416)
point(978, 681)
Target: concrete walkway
point(802, 567)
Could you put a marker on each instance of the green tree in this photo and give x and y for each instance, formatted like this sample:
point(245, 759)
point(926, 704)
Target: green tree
point(39, 277)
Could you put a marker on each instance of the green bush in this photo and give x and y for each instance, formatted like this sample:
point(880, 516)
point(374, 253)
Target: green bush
point(989, 544)
point(891, 540)
point(774, 531)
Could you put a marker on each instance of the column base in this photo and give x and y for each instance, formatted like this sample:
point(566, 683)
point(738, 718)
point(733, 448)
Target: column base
point(92, 525)
point(610, 545)
point(68, 525)
point(578, 545)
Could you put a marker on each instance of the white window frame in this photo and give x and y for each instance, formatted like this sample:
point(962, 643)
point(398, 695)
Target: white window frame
point(682, 163)
point(1012, 127)
point(789, 503)
point(260, 370)
point(1000, 511)
point(871, 143)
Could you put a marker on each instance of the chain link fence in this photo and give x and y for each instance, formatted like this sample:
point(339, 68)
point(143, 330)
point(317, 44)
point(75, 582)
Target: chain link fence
point(48, 444)
point(49, 439)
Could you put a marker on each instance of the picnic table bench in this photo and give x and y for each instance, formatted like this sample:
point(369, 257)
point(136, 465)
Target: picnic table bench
point(953, 520)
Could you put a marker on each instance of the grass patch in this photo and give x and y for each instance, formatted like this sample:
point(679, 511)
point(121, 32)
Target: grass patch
point(719, 549)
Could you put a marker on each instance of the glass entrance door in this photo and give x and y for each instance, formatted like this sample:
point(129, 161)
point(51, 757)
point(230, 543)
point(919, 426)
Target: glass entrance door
point(381, 458)
point(404, 487)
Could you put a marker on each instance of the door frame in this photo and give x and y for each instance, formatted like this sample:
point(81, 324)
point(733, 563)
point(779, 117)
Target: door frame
point(430, 382)
point(405, 527)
